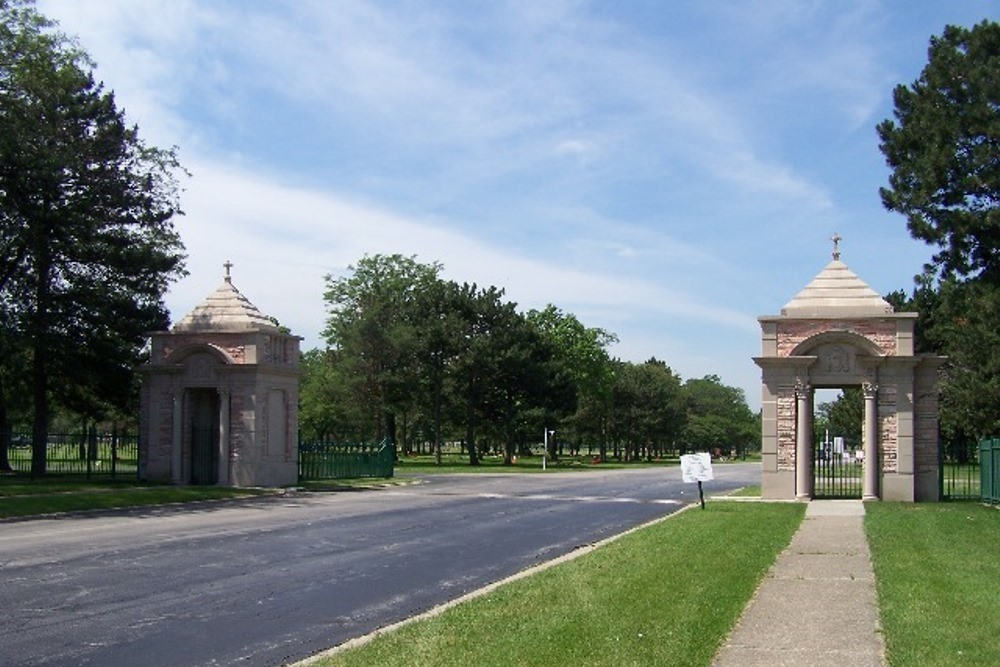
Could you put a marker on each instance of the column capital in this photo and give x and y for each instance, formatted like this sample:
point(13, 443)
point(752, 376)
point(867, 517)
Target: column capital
point(802, 388)
point(869, 388)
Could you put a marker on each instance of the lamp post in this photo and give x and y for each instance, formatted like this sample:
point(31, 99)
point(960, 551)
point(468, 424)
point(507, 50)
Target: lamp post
point(545, 440)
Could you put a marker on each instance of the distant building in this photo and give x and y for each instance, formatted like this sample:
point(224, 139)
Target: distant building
point(219, 397)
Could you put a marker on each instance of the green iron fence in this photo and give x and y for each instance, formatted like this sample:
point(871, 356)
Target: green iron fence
point(336, 460)
point(88, 453)
point(989, 470)
point(115, 455)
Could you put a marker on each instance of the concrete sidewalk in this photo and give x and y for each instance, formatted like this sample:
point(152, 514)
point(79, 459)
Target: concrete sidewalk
point(817, 605)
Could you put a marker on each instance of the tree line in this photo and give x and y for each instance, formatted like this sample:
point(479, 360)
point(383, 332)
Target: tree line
point(424, 361)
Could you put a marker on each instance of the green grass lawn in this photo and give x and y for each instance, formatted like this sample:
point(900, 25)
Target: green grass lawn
point(21, 496)
point(454, 462)
point(937, 567)
point(664, 595)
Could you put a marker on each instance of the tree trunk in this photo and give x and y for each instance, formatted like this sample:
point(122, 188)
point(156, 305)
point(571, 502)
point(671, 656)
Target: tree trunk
point(403, 438)
point(5, 437)
point(438, 391)
point(40, 421)
point(470, 439)
point(390, 426)
point(473, 453)
point(39, 370)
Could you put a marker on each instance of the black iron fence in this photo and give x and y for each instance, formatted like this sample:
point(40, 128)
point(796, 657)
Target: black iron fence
point(838, 471)
point(959, 471)
point(337, 460)
point(89, 453)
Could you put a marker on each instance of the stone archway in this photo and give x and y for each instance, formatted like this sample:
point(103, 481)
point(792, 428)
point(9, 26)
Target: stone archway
point(839, 332)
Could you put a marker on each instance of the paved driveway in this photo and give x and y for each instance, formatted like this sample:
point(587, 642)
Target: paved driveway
point(273, 580)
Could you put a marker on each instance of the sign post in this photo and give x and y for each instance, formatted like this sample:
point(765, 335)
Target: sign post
point(545, 444)
point(697, 468)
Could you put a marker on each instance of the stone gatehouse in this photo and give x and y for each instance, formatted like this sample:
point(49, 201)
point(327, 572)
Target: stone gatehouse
point(219, 397)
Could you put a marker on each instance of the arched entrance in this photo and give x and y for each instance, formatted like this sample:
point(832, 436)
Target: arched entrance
point(204, 436)
point(838, 332)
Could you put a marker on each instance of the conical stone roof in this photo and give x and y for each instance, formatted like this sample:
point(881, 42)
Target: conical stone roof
point(225, 310)
point(837, 292)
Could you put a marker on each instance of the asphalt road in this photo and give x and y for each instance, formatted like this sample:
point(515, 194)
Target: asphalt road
point(274, 580)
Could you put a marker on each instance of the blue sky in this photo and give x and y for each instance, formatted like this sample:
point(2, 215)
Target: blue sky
point(667, 171)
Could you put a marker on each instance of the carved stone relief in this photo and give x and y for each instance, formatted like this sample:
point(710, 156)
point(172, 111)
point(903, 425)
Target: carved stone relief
point(200, 366)
point(836, 359)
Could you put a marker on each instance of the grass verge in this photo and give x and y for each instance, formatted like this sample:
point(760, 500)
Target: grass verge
point(664, 595)
point(20, 497)
point(937, 572)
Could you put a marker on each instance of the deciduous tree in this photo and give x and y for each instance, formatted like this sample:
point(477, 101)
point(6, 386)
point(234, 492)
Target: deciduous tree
point(581, 358)
point(648, 408)
point(371, 325)
point(717, 416)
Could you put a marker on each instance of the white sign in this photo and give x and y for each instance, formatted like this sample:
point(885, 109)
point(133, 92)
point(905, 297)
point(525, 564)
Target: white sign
point(696, 467)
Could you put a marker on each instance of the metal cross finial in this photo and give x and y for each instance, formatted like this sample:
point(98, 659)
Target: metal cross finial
point(836, 245)
point(227, 266)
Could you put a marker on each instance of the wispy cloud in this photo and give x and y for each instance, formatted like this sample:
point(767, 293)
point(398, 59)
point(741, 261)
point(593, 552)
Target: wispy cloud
point(660, 169)
point(283, 240)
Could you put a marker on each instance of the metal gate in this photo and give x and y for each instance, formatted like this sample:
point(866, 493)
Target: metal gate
point(204, 416)
point(837, 473)
point(204, 456)
point(330, 460)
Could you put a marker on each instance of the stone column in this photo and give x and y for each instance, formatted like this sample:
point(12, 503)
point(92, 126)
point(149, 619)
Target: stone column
point(224, 436)
point(869, 489)
point(177, 440)
point(803, 442)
